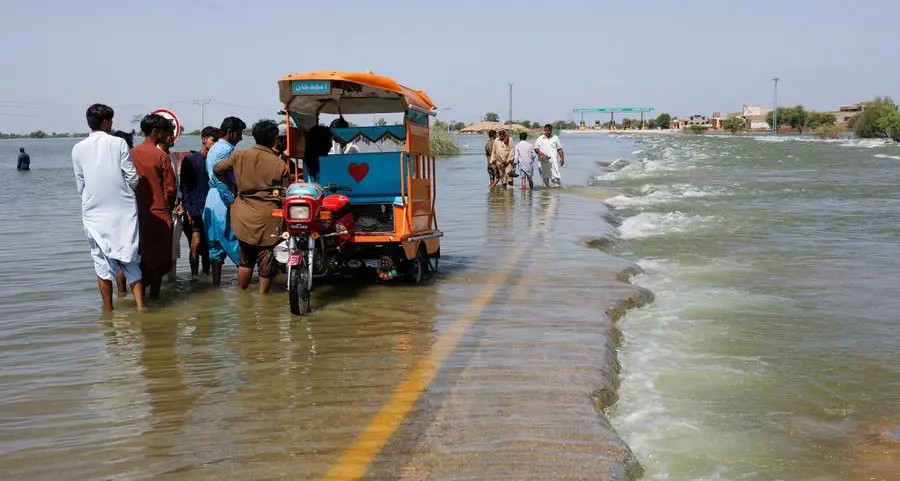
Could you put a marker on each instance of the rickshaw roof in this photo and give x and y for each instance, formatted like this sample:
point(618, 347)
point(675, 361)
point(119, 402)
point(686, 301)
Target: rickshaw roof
point(360, 93)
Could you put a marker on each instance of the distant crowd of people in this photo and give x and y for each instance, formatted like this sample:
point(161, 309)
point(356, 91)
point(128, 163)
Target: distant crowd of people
point(505, 162)
point(137, 201)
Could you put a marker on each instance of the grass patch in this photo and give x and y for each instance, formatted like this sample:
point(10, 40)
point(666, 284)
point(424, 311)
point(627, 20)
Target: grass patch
point(442, 144)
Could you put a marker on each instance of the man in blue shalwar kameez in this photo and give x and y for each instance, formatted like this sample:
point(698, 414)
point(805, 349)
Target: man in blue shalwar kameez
point(216, 218)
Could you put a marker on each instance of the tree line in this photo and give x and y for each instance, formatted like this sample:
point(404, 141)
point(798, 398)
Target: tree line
point(529, 124)
point(40, 134)
point(797, 118)
point(800, 119)
point(879, 118)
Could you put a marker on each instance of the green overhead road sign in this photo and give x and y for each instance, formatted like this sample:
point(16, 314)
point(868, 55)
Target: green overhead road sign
point(614, 110)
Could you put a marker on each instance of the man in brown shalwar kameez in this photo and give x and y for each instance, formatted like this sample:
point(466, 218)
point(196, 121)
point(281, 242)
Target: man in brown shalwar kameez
point(258, 171)
point(155, 196)
point(502, 159)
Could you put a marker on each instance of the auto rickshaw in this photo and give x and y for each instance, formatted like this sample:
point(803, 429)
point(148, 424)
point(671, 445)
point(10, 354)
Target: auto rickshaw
point(372, 209)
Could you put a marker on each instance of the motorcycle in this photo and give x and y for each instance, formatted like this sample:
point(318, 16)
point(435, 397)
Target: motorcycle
point(318, 223)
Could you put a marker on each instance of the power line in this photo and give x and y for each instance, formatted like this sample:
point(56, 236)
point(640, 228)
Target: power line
point(22, 107)
point(202, 103)
point(19, 102)
point(237, 106)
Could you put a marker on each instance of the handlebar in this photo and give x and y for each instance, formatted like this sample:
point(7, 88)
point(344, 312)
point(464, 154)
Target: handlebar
point(337, 188)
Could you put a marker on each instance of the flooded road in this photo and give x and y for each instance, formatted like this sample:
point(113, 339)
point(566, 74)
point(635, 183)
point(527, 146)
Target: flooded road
point(766, 347)
point(498, 369)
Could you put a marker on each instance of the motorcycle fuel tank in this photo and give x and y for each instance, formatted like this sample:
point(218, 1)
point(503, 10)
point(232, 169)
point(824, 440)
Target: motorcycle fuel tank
point(304, 188)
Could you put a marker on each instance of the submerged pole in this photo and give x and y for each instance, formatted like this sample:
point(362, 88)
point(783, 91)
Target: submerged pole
point(775, 110)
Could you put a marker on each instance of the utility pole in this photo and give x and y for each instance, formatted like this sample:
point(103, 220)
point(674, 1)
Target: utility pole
point(447, 122)
point(202, 103)
point(510, 119)
point(775, 111)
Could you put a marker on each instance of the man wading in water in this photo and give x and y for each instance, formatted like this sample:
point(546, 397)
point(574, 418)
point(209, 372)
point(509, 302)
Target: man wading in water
point(551, 155)
point(502, 160)
point(525, 160)
point(165, 144)
point(258, 171)
point(194, 189)
point(155, 196)
point(24, 161)
point(106, 178)
point(488, 149)
point(219, 237)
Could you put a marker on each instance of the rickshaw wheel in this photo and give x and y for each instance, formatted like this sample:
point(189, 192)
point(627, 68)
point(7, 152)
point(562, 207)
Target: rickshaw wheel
point(298, 293)
point(414, 270)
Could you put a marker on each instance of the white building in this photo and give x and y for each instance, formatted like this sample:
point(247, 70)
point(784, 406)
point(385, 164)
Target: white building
point(755, 117)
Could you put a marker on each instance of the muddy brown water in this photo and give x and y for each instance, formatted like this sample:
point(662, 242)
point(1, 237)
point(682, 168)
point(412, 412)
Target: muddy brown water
point(216, 384)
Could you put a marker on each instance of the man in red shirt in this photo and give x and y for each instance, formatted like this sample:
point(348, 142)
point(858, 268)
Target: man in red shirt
point(155, 196)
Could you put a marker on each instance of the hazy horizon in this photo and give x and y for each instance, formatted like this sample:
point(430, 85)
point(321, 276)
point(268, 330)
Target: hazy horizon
point(677, 58)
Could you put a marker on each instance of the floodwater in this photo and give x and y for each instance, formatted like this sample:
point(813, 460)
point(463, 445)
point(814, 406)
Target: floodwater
point(213, 384)
point(763, 346)
point(771, 349)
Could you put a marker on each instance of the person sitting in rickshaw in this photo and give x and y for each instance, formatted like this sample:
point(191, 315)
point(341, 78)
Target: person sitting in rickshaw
point(338, 145)
point(318, 144)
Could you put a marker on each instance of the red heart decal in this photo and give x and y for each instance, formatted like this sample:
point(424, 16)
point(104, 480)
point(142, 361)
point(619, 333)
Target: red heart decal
point(358, 171)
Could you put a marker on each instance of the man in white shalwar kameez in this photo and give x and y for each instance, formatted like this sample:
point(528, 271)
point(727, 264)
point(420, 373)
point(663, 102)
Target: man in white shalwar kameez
point(551, 155)
point(105, 178)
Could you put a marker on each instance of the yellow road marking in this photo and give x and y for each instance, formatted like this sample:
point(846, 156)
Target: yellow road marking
point(353, 463)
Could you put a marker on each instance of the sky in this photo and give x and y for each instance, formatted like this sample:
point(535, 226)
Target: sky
point(684, 58)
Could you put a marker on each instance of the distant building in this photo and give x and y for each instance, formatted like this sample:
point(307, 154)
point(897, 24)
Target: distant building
point(714, 122)
point(695, 119)
point(753, 110)
point(755, 117)
point(845, 112)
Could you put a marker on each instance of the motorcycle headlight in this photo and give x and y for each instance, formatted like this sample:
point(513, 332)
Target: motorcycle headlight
point(299, 212)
